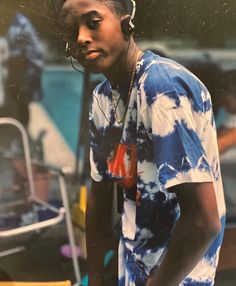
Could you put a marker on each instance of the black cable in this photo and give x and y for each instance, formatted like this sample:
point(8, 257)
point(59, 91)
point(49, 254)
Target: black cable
point(81, 71)
point(101, 109)
point(73, 66)
point(126, 57)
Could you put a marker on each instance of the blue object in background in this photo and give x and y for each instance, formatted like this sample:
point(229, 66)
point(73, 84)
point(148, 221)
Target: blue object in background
point(220, 117)
point(62, 99)
point(62, 89)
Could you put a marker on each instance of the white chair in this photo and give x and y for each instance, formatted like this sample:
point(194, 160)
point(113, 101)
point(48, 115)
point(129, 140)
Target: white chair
point(59, 214)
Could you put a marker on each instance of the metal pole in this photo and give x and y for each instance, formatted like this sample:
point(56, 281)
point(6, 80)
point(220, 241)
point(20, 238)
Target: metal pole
point(70, 229)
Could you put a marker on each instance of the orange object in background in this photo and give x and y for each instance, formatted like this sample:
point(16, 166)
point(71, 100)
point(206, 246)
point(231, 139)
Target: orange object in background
point(226, 138)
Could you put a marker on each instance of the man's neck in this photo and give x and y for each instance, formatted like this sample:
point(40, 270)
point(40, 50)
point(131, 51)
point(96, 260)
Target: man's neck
point(121, 72)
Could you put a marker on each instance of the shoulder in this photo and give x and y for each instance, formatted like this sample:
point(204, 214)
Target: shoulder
point(163, 76)
point(102, 88)
point(100, 96)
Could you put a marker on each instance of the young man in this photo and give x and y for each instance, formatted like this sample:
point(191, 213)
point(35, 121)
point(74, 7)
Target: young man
point(153, 133)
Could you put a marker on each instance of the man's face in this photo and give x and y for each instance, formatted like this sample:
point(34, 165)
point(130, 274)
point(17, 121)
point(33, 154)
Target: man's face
point(94, 34)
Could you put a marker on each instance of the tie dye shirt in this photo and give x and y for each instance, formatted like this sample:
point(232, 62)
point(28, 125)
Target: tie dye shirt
point(169, 120)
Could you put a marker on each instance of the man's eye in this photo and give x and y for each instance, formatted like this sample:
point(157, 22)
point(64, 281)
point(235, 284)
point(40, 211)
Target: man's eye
point(93, 24)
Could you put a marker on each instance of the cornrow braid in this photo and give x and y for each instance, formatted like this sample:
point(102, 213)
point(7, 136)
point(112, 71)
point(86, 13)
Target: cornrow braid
point(120, 7)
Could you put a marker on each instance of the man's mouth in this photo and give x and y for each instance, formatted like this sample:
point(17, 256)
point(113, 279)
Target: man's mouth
point(91, 55)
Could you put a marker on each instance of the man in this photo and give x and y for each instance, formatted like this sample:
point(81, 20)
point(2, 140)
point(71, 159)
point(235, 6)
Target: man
point(152, 132)
point(25, 66)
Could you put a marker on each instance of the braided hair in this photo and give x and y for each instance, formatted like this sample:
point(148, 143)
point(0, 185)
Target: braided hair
point(120, 7)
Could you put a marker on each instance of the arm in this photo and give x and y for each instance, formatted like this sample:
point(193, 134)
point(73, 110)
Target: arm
point(196, 228)
point(226, 138)
point(97, 220)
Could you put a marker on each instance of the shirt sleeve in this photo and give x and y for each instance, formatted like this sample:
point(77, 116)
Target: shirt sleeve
point(178, 150)
point(176, 111)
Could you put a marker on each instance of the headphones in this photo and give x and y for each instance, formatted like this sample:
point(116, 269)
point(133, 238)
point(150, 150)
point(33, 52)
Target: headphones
point(127, 25)
point(67, 50)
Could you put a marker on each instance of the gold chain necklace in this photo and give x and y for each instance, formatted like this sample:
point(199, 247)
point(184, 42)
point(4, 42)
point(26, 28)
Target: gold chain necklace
point(115, 106)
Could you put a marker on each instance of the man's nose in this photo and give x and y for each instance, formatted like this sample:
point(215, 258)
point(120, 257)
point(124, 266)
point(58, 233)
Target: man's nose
point(84, 36)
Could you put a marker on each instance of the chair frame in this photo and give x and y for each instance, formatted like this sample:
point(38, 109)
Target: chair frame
point(63, 212)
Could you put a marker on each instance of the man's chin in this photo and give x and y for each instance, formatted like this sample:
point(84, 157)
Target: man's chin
point(95, 68)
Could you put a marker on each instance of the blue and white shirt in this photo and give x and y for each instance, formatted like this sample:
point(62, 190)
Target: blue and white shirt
point(169, 119)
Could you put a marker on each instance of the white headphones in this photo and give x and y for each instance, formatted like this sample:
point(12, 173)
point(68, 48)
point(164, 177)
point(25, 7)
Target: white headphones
point(133, 11)
point(127, 24)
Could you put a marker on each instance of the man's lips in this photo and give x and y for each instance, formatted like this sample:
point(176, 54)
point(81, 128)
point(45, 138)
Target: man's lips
point(91, 55)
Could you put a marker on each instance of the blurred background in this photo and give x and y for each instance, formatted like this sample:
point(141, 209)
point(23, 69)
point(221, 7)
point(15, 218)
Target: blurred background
point(40, 88)
point(200, 23)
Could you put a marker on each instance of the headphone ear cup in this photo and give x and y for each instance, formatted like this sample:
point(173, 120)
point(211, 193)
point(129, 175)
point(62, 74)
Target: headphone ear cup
point(127, 27)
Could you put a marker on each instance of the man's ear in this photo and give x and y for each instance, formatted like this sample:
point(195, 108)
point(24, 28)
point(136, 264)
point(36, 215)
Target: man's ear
point(127, 26)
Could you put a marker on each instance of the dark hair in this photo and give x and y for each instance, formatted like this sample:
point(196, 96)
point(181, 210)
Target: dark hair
point(121, 7)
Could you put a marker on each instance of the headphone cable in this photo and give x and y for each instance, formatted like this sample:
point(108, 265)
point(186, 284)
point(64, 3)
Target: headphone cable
point(74, 67)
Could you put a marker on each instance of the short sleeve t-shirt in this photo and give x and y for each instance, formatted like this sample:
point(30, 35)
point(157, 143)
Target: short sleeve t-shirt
point(168, 137)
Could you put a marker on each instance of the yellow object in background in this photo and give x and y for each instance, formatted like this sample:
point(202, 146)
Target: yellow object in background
point(83, 198)
point(79, 208)
point(56, 283)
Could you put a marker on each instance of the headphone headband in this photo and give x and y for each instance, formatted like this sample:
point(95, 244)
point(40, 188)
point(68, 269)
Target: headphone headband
point(133, 9)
